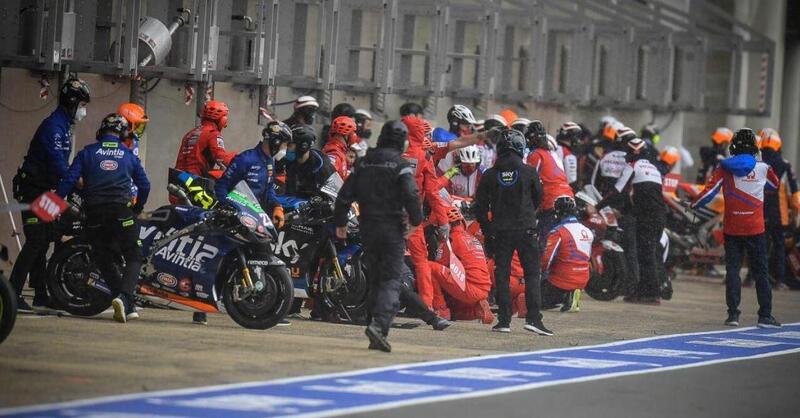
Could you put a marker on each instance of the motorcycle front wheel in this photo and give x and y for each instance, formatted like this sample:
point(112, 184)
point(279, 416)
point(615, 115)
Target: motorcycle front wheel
point(266, 307)
point(354, 294)
point(8, 308)
point(68, 280)
point(607, 286)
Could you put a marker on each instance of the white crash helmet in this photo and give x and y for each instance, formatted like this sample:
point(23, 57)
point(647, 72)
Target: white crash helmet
point(460, 114)
point(551, 143)
point(470, 154)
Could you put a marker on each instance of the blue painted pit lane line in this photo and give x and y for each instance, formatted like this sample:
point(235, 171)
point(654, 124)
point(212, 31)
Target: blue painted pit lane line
point(412, 384)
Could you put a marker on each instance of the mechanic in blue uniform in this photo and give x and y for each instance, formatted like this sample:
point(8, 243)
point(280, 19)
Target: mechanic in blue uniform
point(108, 168)
point(45, 164)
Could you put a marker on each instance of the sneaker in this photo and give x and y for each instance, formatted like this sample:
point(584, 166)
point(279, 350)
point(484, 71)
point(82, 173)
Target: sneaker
point(42, 304)
point(485, 312)
point(440, 324)
point(768, 322)
point(501, 328)
point(376, 339)
point(572, 302)
point(124, 309)
point(23, 306)
point(733, 320)
point(200, 318)
point(538, 327)
point(119, 309)
point(283, 323)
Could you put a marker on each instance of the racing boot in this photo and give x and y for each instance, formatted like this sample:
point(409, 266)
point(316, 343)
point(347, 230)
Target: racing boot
point(377, 341)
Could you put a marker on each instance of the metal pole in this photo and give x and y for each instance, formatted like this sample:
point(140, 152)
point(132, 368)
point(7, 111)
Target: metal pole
point(14, 231)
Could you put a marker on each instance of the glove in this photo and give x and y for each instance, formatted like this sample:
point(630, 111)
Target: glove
point(451, 172)
point(443, 232)
point(277, 217)
point(494, 134)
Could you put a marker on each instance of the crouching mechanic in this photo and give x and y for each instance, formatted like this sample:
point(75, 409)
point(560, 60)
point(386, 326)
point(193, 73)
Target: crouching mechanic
point(466, 282)
point(108, 168)
point(384, 187)
point(566, 258)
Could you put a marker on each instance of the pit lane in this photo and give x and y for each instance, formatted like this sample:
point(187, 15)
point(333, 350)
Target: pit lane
point(50, 359)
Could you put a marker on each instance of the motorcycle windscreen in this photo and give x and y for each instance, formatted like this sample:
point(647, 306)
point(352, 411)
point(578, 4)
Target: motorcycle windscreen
point(332, 186)
point(243, 195)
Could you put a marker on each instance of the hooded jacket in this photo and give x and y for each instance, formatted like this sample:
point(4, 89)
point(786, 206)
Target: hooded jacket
point(776, 202)
point(742, 180)
point(424, 172)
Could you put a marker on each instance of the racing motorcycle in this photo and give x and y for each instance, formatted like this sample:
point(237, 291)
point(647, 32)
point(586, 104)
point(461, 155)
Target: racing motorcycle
point(608, 275)
point(215, 260)
point(330, 271)
point(696, 234)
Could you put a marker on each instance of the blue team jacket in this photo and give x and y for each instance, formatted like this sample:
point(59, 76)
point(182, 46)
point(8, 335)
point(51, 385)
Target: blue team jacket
point(47, 160)
point(254, 167)
point(108, 169)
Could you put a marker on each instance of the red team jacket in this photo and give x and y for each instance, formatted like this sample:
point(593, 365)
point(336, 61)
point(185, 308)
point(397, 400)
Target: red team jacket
point(427, 182)
point(742, 180)
point(202, 148)
point(336, 150)
point(551, 174)
point(569, 249)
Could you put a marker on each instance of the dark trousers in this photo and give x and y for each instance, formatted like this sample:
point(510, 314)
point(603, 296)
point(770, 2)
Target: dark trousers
point(551, 295)
point(628, 224)
point(648, 234)
point(525, 244)
point(32, 258)
point(755, 246)
point(384, 250)
point(777, 252)
point(115, 223)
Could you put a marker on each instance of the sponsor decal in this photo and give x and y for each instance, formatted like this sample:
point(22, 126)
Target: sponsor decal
point(288, 249)
point(185, 284)
point(263, 263)
point(108, 165)
point(198, 287)
point(116, 153)
point(201, 295)
point(248, 221)
point(167, 280)
point(187, 252)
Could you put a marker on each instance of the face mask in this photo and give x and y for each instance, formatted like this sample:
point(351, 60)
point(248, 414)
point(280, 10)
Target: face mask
point(290, 155)
point(279, 155)
point(405, 146)
point(366, 133)
point(80, 113)
point(468, 169)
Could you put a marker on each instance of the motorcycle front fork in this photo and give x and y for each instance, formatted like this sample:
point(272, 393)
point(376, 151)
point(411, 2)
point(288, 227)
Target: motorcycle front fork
point(245, 287)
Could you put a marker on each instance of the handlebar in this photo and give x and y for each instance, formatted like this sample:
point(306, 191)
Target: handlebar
point(180, 194)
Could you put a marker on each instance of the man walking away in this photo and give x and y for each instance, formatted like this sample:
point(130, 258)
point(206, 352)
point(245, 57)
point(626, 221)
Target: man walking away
point(506, 203)
point(384, 187)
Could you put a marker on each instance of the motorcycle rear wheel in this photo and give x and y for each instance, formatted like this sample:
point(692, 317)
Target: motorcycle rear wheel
point(67, 274)
point(266, 308)
point(8, 308)
point(607, 286)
